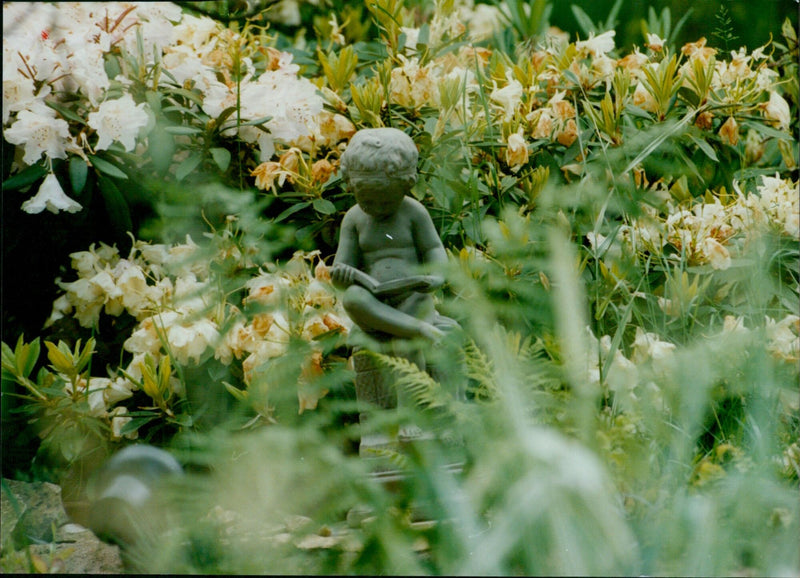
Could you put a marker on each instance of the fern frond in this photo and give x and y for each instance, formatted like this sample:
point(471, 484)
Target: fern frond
point(424, 390)
point(479, 369)
point(398, 460)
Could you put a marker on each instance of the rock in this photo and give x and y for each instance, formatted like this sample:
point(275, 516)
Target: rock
point(36, 532)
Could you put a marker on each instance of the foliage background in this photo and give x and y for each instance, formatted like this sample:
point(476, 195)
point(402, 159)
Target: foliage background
point(648, 457)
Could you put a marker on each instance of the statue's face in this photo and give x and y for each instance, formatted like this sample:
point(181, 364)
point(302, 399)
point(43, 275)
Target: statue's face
point(379, 199)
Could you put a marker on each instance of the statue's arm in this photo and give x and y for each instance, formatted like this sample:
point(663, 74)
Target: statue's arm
point(345, 270)
point(429, 245)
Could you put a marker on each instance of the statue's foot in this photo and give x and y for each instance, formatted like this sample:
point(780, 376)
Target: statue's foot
point(431, 333)
point(413, 433)
point(371, 444)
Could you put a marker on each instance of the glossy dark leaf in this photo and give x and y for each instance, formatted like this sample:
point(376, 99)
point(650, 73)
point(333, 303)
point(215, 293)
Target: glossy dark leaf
point(78, 171)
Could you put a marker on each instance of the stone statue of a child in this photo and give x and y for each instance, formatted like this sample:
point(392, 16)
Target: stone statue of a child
point(385, 238)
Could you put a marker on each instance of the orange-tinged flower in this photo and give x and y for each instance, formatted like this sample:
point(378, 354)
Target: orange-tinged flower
point(633, 61)
point(729, 132)
point(262, 323)
point(655, 43)
point(267, 173)
point(698, 50)
point(543, 126)
point(567, 136)
point(308, 396)
point(516, 151)
point(322, 272)
point(321, 170)
point(704, 119)
point(290, 160)
point(716, 253)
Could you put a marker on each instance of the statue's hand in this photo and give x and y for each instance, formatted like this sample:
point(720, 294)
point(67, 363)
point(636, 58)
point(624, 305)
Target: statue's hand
point(345, 275)
point(433, 282)
point(342, 274)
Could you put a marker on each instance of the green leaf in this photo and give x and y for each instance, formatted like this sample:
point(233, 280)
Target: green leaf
point(67, 113)
point(766, 130)
point(106, 167)
point(239, 394)
point(135, 424)
point(571, 76)
point(664, 134)
point(256, 122)
point(292, 210)
point(78, 171)
point(188, 165)
point(586, 24)
point(31, 353)
point(184, 130)
point(224, 115)
point(25, 177)
point(222, 157)
point(162, 148)
point(194, 97)
point(324, 206)
point(154, 100)
point(705, 147)
point(117, 208)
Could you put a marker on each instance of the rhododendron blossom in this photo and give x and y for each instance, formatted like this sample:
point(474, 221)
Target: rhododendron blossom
point(40, 133)
point(51, 197)
point(118, 120)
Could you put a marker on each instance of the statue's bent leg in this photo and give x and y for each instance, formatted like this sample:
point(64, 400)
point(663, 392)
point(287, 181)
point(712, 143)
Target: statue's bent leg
point(371, 314)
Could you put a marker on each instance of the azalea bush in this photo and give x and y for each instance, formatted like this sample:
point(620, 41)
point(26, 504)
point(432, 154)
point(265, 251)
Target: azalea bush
point(623, 230)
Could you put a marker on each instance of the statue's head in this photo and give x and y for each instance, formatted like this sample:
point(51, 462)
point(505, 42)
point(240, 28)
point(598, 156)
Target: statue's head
point(380, 166)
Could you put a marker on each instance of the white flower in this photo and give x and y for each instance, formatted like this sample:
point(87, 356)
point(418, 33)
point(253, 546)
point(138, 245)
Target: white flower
point(117, 390)
point(188, 342)
point(412, 37)
point(508, 97)
point(87, 70)
point(119, 421)
point(649, 346)
point(118, 120)
point(17, 94)
point(146, 338)
point(716, 253)
point(286, 12)
point(784, 338)
point(734, 326)
point(320, 294)
point(597, 45)
point(40, 132)
point(133, 285)
point(266, 289)
point(196, 32)
point(655, 43)
point(777, 111)
point(483, 21)
point(51, 197)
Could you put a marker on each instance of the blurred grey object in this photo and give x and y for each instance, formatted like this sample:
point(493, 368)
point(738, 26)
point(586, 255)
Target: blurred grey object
point(125, 494)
